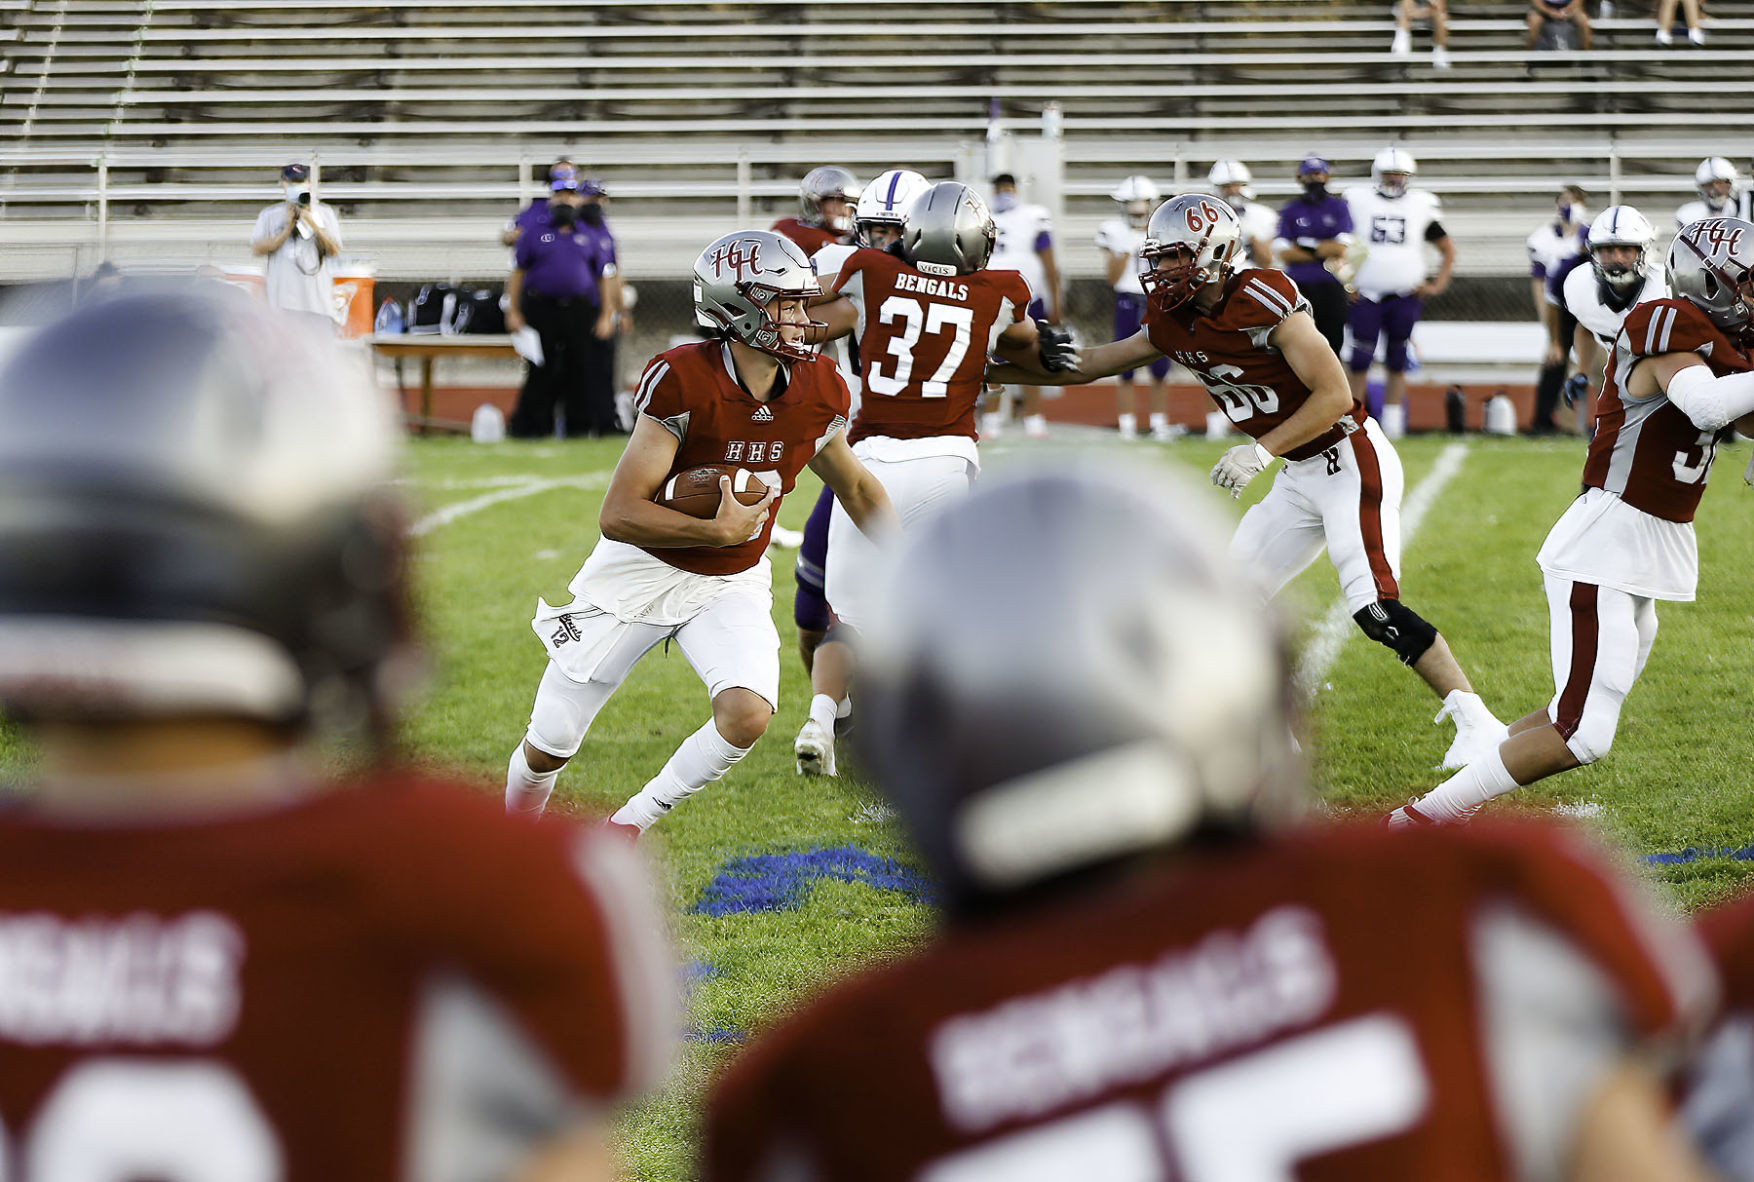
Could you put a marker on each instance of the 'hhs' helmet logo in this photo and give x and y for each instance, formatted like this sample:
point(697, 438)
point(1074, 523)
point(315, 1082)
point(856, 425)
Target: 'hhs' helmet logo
point(738, 254)
point(1717, 234)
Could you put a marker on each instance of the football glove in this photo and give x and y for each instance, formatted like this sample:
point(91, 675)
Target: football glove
point(1241, 464)
point(1576, 386)
point(1056, 348)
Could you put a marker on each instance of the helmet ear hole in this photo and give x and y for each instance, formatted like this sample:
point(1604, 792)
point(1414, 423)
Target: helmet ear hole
point(1708, 281)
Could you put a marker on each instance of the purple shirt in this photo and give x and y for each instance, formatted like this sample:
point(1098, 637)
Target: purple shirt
point(533, 216)
point(1301, 218)
point(559, 266)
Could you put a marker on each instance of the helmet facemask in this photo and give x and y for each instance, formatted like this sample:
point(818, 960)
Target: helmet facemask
point(1393, 184)
point(1621, 276)
point(770, 333)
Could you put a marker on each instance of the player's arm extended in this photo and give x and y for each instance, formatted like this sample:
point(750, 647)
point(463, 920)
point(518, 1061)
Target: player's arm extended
point(1099, 361)
point(1313, 360)
point(631, 515)
point(1713, 403)
point(839, 313)
point(861, 494)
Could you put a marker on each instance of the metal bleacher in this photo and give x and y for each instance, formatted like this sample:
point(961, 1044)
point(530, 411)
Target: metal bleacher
point(152, 129)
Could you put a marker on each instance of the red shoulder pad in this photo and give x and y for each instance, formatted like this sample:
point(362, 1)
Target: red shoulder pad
point(1014, 287)
point(1667, 326)
point(660, 393)
point(1262, 299)
point(1729, 934)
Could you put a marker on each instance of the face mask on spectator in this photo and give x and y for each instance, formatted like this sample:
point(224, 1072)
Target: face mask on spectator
point(591, 215)
point(297, 192)
point(1004, 201)
point(562, 214)
point(1315, 190)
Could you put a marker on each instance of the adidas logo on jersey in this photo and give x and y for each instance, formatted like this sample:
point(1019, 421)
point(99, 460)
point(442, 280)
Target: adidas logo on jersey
point(764, 415)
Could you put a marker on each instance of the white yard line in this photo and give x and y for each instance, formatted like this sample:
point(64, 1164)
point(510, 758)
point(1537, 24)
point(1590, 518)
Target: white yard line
point(1337, 626)
point(451, 513)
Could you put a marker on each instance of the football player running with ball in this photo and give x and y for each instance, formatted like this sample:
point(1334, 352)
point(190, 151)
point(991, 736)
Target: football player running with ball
point(1248, 336)
point(1150, 971)
point(927, 313)
point(1681, 373)
point(763, 399)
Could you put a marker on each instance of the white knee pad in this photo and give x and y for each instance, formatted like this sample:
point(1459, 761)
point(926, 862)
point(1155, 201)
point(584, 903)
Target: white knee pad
point(564, 711)
point(1594, 735)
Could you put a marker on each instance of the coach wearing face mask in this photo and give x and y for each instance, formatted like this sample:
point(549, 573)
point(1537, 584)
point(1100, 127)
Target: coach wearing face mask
point(300, 238)
point(1314, 232)
point(556, 288)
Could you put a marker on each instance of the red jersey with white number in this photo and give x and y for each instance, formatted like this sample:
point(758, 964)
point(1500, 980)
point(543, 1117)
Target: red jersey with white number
point(356, 986)
point(1646, 450)
point(923, 342)
point(1227, 350)
point(693, 392)
point(1268, 1013)
point(809, 238)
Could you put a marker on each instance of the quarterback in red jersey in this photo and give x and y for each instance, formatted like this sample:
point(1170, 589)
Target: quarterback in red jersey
point(825, 209)
point(1248, 336)
point(1146, 973)
point(927, 316)
point(213, 963)
point(1682, 372)
point(760, 398)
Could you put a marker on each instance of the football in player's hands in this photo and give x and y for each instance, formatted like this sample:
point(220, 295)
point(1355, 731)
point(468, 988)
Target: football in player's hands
point(696, 491)
point(1056, 347)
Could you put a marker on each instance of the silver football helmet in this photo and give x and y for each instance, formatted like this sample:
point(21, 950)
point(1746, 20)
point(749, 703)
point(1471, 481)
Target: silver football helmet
point(1621, 225)
point(885, 202)
point(1712, 172)
point(950, 230)
point(819, 184)
point(1711, 264)
point(1199, 236)
point(1122, 690)
point(1396, 164)
point(197, 519)
point(738, 281)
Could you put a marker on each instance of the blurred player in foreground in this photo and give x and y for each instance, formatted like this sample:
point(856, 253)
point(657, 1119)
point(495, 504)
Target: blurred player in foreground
point(1247, 334)
point(1680, 375)
point(214, 963)
point(759, 398)
point(1718, 1105)
point(1147, 973)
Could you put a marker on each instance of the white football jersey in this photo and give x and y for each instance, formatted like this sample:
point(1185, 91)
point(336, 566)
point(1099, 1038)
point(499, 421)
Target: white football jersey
point(1583, 297)
point(1259, 224)
point(1023, 229)
point(1117, 236)
point(1693, 211)
point(1393, 230)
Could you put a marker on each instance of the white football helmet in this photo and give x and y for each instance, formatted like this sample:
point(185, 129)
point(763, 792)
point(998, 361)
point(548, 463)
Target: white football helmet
point(1232, 172)
point(1621, 225)
point(1137, 195)
point(1388, 162)
point(740, 278)
point(1711, 170)
point(1200, 236)
point(820, 184)
point(885, 200)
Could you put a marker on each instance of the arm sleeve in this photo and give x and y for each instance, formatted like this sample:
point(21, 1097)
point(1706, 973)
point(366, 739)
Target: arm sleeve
point(659, 397)
point(332, 222)
point(524, 252)
point(1345, 226)
point(1713, 403)
point(1434, 231)
point(265, 227)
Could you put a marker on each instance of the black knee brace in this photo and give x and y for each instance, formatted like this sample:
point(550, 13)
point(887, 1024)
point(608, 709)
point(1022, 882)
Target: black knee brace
point(1400, 628)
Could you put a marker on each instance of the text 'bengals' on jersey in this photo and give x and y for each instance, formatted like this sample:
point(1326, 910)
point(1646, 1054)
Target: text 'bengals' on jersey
point(1645, 449)
point(354, 987)
point(924, 342)
point(1259, 1013)
point(693, 392)
point(1227, 350)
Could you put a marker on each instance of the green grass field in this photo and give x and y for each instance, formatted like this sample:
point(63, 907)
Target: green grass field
point(1678, 777)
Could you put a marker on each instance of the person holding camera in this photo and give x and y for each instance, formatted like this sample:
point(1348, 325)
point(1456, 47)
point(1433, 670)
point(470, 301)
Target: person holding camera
point(300, 238)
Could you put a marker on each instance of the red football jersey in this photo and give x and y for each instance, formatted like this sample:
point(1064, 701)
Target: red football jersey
point(1729, 933)
point(375, 983)
point(1343, 1004)
point(923, 342)
point(1227, 351)
point(694, 392)
point(1646, 450)
point(809, 238)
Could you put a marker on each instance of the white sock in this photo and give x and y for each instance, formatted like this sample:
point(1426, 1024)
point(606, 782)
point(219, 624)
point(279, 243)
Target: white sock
point(1159, 421)
point(526, 792)
point(1394, 419)
point(1460, 796)
point(1128, 424)
point(823, 711)
point(845, 709)
point(703, 757)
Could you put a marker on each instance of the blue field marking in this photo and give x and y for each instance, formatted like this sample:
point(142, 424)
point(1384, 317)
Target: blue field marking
point(780, 882)
point(1700, 854)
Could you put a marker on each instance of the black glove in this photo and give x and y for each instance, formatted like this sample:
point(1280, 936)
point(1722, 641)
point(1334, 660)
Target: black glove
point(1576, 386)
point(1055, 347)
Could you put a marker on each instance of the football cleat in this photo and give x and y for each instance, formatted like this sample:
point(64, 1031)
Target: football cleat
point(1478, 730)
point(814, 748)
point(786, 539)
point(1408, 817)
